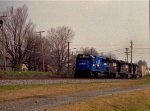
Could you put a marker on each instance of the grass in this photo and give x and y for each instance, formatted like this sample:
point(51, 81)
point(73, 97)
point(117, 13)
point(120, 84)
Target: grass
point(13, 74)
point(13, 92)
point(145, 80)
point(133, 101)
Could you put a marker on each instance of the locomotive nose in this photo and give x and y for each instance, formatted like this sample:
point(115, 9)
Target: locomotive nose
point(83, 65)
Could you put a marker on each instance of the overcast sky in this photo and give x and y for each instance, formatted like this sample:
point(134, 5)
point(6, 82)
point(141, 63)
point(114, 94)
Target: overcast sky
point(104, 25)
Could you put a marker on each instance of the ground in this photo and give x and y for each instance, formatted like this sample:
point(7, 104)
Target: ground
point(46, 95)
point(133, 101)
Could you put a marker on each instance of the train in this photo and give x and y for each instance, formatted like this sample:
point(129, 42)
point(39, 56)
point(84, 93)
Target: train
point(94, 66)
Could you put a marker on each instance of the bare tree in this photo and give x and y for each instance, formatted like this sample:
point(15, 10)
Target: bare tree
point(34, 55)
point(111, 55)
point(142, 62)
point(19, 35)
point(87, 50)
point(58, 39)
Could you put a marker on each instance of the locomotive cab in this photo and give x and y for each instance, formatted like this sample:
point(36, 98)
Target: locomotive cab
point(89, 65)
point(84, 64)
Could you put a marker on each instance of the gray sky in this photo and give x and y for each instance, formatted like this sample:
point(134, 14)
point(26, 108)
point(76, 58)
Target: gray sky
point(104, 25)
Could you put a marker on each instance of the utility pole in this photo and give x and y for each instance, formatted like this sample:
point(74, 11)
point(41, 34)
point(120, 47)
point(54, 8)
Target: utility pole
point(131, 54)
point(131, 50)
point(3, 44)
point(149, 23)
point(127, 53)
point(68, 57)
point(42, 51)
point(91, 51)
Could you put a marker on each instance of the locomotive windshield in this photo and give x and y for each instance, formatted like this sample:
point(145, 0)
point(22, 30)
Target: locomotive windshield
point(84, 57)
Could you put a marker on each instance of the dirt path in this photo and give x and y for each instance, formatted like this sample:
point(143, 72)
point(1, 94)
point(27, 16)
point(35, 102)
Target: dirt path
point(36, 104)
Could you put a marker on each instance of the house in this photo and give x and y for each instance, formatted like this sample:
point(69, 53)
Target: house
point(24, 67)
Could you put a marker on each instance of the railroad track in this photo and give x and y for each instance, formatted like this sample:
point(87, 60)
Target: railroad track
point(56, 81)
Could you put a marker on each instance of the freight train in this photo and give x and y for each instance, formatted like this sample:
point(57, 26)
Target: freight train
point(94, 66)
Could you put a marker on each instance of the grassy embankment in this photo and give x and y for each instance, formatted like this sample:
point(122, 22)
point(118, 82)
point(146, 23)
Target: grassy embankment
point(23, 75)
point(133, 101)
point(13, 92)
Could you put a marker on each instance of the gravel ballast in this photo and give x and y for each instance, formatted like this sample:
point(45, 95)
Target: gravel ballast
point(55, 81)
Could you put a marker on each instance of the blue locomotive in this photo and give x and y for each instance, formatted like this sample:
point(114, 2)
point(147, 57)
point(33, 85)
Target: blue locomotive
point(91, 66)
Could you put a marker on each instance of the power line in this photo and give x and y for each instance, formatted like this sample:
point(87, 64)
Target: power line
point(143, 53)
point(141, 48)
point(116, 50)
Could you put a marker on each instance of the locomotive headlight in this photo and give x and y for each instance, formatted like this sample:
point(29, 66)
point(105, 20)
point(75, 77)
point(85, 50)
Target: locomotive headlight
point(105, 64)
point(97, 65)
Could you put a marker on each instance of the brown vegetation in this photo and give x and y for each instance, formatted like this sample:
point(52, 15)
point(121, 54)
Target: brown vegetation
point(133, 101)
point(25, 91)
